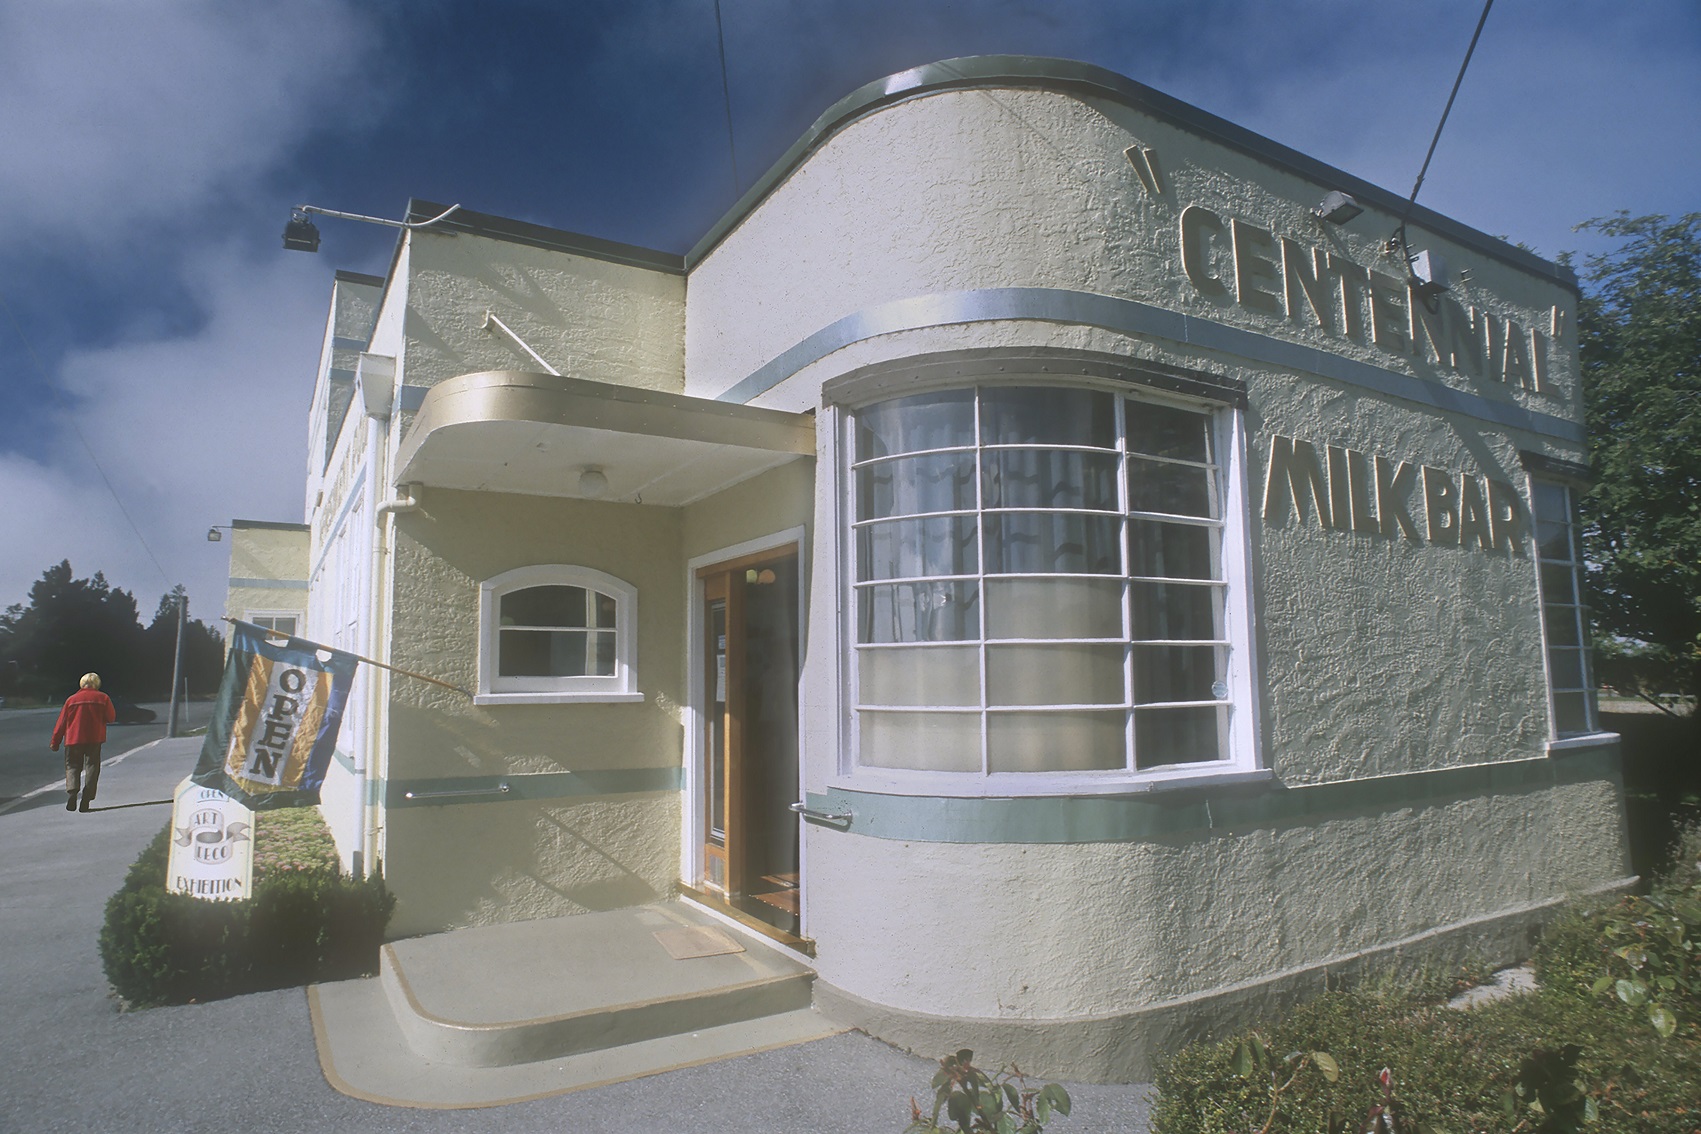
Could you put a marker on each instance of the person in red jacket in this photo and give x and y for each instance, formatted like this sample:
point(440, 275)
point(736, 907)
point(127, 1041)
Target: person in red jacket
point(82, 728)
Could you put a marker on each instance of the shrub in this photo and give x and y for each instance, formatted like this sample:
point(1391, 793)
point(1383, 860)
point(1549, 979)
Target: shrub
point(306, 922)
point(1578, 1054)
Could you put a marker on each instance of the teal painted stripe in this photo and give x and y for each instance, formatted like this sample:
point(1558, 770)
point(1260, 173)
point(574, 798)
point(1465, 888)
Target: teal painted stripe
point(270, 584)
point(1161, 814)
point(345, 760)
point(530, 786)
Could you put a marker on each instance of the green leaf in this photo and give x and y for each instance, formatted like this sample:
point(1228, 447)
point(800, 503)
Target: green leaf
point(1260, 1054)
point(964, 1055)
point(1632, 992)
point(1242, 1065)
point(1601, 985)
point(1006, 1124)
point(959, 1110)
point(1059, 1097)
point(1326, 1064)
point(1664, 1022)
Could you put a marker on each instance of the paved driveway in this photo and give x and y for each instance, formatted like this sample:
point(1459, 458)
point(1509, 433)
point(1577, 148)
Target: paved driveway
point(73, 1062)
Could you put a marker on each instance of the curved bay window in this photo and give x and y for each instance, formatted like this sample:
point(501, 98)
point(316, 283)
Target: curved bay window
point(556, 633)
point(1039, 583)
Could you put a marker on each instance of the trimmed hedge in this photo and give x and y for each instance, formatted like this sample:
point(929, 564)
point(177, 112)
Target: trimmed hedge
point(307, 922)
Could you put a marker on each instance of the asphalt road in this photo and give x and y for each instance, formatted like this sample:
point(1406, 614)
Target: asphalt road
point(74, 1062)
point(26, 763)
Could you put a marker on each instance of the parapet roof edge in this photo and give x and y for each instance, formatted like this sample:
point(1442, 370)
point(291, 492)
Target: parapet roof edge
point(270, 524)
point(1071, 75)
point(541, 236)
point(345, 276)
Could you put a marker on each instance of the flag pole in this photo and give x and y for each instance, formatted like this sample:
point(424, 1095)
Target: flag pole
point(357, 657)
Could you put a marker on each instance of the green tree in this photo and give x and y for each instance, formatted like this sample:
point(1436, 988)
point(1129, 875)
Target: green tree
point(71, 626)
point(1639, 325)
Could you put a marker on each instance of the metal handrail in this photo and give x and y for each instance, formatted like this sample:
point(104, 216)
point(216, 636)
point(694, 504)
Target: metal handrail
point(499, 789)
point(809, 812)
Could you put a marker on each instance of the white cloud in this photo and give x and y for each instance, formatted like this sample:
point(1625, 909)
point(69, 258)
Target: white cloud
point(191, 431)
point(113, 111)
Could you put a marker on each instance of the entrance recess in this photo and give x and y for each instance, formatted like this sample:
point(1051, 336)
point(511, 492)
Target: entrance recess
point(748, 775)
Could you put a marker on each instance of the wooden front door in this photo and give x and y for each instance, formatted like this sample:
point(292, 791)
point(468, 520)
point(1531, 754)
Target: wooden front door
point(748, 775)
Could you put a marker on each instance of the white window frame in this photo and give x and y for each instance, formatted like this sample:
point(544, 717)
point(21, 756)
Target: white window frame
point(622, 686)
point(1577, 610)
point(299, 617)
point(1242, 762)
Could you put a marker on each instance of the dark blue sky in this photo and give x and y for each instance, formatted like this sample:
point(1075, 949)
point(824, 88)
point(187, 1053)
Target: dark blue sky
point(153, 152)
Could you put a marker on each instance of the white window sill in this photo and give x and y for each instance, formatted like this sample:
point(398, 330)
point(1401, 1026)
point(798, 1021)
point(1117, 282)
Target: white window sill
point(561, 698)
point(1022, 785)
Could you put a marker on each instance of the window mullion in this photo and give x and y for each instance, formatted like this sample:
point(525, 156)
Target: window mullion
point(1125, 498)
point(980, 580)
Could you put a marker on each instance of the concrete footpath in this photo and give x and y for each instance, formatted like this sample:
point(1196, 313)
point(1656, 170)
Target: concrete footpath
point(73, 1062)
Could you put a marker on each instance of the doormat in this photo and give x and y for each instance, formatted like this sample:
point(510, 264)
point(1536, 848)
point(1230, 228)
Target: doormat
point(696, 941)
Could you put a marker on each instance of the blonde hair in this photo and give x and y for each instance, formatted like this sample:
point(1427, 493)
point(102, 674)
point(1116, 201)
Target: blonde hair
point(90, 681)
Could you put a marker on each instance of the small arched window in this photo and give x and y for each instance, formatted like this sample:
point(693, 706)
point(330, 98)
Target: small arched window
point(554, 633)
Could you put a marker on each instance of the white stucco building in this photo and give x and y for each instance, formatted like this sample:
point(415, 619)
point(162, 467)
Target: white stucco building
point(1153, 593)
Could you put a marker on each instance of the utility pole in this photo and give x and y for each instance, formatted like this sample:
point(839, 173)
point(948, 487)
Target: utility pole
point(177, 664)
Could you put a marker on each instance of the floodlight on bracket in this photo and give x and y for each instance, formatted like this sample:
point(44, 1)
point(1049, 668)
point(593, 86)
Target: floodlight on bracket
point(1337, 208)
point(302, 235)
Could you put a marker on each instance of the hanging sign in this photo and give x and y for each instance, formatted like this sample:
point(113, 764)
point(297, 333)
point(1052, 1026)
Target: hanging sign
point(212, 845)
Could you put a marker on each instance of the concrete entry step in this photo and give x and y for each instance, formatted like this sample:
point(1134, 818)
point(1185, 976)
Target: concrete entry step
point(500, 996)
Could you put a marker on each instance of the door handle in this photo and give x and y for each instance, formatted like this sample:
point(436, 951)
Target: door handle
point(809, 812)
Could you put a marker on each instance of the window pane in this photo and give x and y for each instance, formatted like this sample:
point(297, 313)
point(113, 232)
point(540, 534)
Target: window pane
point(918, 612)
point(1556, 584)
point(542, 653)
point(1566, 668)
point(908, 549)
point(1049, 478)
point(1177, 736)
point(1054, 608)
point(1056, 742)
point(1175, 673)
point(604, 605)
point(1561, 625)
point(938, 675)
point(1551, 502)
point(1055, 675)
point(939, 742)
point(1161, 431)
point(1046, 542)
point(1173, 551)
point(926, 421)
point(1180, 490)
point(544, 606)
point(1570, 713)
point(1553, 541)
point(943, 482)
point(1176, 611)
point(605, 654)
point(1011, 415)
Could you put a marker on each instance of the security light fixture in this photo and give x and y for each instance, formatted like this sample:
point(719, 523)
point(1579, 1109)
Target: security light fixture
point(301, 235)
point(1337, 208)
point(1429, 270)
point(213, 535)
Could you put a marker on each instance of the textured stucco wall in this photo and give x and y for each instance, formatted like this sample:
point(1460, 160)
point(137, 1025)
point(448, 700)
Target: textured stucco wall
point(1105, 928)
point(589, 318)
point(1010, 188)
point(272, 554)
point(478, 863)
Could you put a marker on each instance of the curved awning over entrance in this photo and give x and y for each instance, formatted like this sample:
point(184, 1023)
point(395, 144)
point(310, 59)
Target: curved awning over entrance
point(536, 434)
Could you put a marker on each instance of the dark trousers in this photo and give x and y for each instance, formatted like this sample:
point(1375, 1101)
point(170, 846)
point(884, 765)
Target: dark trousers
point(82, 762)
